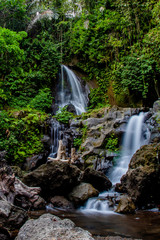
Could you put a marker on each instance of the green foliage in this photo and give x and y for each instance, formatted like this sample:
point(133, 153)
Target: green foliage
point(77, 142)
point(112, 143)
point(84, 131)
point(42, 101)
point(20, 133)
point(97, 98)
point(13, 14)
point(64, 116)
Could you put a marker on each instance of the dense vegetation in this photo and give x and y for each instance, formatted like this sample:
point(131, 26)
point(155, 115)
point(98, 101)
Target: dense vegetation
point(115, 42)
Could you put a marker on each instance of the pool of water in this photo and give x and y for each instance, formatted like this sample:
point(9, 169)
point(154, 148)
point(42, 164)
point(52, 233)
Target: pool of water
point(142, 225)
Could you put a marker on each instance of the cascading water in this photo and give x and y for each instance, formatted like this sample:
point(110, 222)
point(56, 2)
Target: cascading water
point(136, 135)
point(55, 127)
point(71, 91)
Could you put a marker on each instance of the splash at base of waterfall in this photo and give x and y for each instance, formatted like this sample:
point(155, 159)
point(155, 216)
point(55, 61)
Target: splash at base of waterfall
point(102, 204)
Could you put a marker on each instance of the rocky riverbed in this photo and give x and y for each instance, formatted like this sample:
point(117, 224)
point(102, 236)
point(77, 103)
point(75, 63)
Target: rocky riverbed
point(65, 185)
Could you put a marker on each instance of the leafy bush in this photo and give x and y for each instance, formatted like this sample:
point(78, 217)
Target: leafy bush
point(77, 142)
point(64, 116)
point(20, 133)
point(112, 143)
point(97, 98)
point(42, 100)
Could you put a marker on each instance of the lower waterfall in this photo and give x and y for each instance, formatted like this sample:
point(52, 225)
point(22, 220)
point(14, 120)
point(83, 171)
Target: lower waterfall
point(136, 135)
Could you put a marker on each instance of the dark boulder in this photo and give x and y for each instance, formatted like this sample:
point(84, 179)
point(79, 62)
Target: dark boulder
point(61, 202)
point(54, 178)
point(142, 180)
point(71, 108)
point(97, 179)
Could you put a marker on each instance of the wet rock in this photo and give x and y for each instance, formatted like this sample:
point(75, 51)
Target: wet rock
point(54, 178)
point(71, 108)
point(126, 205)
point(11, 216)
point(142, 179)
point(50, 227)
point(61, 202)
point(82, 192)
point(97, 179)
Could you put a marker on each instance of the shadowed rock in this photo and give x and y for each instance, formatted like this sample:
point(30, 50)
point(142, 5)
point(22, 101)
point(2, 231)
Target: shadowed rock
point(54, 178)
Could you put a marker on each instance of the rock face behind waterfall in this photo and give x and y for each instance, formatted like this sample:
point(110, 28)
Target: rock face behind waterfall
point(142, 180)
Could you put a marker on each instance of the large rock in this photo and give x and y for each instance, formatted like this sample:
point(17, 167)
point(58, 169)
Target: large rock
point(54, 178)
point(61, 202)
point(50, 227)
point(82, 193)
point(97, 179)
point(125, 205)
point(113, 122)
point(142, 180)
point(11, 216)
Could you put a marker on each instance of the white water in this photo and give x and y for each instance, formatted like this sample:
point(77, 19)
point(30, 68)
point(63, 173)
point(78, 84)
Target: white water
point(55, 127)
point(71, 91)
point(136, 135)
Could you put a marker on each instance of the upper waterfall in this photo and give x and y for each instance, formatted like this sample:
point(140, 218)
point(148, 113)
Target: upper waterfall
point(70, 91)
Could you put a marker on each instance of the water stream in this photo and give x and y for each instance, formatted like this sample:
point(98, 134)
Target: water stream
point(136, 135)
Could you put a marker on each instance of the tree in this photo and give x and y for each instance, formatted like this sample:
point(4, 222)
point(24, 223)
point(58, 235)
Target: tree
point(13, 14)
point(11, 57)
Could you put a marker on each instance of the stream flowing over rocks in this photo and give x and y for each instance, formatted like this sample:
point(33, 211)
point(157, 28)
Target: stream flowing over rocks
point(64, 185)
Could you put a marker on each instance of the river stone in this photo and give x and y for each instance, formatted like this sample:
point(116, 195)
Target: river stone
point(50, 227)
point(125, 205)
point(54, 178)
point(11, 216)
point(82, 193)
point(142, 180)
point(61, 202)
point(97, 179)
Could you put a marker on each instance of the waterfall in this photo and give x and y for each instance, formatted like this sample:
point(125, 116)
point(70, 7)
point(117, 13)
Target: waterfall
point(71, 91)
point(55, 127)
point(136, 135)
